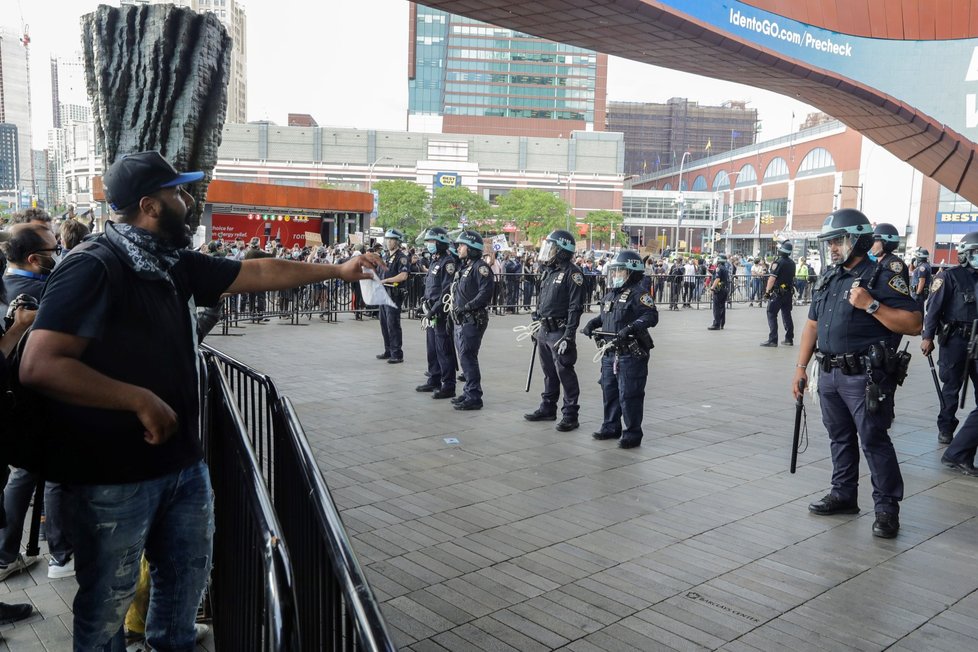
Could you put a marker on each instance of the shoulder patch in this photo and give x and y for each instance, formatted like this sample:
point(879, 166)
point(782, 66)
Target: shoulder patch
point(484, 270)
point(403, 261)
point(450, 268)
point(774, 267)
point(898, 284)
point(936, 285)
point(578, 278)
point(646, 300)
point(896, 266)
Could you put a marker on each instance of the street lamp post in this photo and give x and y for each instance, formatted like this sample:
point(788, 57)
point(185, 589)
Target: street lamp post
point(679, 187)
point(370, 176)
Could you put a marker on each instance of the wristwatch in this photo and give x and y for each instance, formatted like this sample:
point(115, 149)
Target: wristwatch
point(873, 307)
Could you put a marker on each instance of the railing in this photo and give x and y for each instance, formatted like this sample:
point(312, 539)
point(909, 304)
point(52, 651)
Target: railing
point(251, 591)
point(334, 605)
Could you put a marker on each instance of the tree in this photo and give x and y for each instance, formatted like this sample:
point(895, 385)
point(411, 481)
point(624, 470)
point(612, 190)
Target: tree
point(450, 204)
point(534, 212)
point(603, 223)
point(402, 205)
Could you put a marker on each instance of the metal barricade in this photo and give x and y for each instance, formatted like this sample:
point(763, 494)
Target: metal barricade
point(336, 608)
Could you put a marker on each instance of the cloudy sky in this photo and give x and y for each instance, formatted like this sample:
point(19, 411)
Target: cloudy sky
point(345, 62)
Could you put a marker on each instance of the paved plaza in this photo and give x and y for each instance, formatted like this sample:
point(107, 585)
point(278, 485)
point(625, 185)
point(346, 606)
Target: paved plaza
point(522, 538)
point(519, 537)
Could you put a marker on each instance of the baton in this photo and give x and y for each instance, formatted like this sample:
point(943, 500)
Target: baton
point(937, 383)
point(529, 372)
point(799, 409)
point(968, 361)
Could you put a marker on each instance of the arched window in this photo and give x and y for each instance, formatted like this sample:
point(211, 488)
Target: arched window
point(721, 180)
point(668, 186)
point(699, 183)
point(747, 176)
point(777, 170)
point(817, 161)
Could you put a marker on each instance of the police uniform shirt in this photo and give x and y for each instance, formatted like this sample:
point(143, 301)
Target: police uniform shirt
point(842, 328)
point(723, 276)
point(630, 304)
point(562, 294)
point(441, 272)
point(921, 271)
point(397, 262)
point(952, 299)
point(475, 285)
point(783, 271)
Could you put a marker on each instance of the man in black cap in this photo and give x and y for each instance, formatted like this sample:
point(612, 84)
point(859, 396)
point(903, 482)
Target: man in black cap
point(113, 350)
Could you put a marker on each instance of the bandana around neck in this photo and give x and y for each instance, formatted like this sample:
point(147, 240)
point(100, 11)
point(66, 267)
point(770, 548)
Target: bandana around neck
point(145, 254)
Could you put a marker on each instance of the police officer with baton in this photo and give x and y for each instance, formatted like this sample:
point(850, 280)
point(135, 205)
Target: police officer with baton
point(852, 328)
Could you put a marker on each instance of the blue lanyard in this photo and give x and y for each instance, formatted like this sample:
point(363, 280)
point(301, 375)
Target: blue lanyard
point(24, 272)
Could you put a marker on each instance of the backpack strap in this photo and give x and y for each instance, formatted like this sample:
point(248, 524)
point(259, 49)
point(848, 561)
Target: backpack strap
point(99, 249)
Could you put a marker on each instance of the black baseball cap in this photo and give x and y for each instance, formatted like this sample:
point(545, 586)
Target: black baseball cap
point(137, 175)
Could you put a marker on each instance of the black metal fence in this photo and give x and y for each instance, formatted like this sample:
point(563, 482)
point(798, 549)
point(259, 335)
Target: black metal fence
point(515, 294)
point(326, 595)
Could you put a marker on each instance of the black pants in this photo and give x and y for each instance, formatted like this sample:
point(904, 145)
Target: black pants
point(468, 339)
point(558, 371)
point(390, 328)
point(623, 379)
point(780, 302)
point(719, 309)
point(441, 354)
point(950, 362)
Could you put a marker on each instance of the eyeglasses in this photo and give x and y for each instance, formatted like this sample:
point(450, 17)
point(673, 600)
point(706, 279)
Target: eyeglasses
point(58, 249)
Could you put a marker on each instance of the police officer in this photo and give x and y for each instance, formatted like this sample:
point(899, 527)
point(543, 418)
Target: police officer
point(559, 313)
point(950, 312)
point(627, 312)
point(472, 293)
point(512, 268)
point(398, 267)
point(921, 280)
point(780, 282)
point(442, 266)
point(851, 326)
point(721, 290)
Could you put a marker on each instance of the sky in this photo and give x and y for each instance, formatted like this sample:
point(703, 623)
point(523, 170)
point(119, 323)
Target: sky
point(345, 63)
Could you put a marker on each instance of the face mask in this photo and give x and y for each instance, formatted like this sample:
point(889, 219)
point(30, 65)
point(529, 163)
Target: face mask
point(973, 260)
point(431, 247)
point(617, 282)
point(234, 250)
point(872, 257)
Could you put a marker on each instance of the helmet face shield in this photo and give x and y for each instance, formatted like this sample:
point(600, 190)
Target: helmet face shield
point(548, 251)
point(837, 248)
point(391, 243)
point(616, 275)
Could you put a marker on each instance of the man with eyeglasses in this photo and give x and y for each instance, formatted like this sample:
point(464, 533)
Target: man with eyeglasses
point(32, 254)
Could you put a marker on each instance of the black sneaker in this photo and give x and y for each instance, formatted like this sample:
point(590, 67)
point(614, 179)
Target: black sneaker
point(538, 415)
point(10, 613)
point(383, 356)
point(944, 438)
point(968, 468)
point(567, 424)
point(458, 399)
point(460, 378)
point(830, 504)
point(395, 360)
point(788, 342)
point(886, 525)
point(629, 442)
point(601, 435)
point(713, 328)
point(469, 404)
point(444, 393)
point(770, 343)
point(426, 388)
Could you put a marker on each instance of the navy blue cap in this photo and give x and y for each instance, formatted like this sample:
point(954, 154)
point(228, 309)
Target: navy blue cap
point(137, 175)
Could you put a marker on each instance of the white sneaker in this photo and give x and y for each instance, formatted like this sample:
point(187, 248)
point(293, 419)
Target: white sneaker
point(202, 631)
point(22, 563)
point(58, 571)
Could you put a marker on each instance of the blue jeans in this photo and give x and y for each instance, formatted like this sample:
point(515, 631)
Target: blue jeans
point(172, 519)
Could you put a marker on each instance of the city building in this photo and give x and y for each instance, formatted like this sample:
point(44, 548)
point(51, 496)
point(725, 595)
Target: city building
point(656, 135)
point(232, 14)
point(747, 200)
point(469, 77)
point(9, 158)
point(69, 94)
point(15, 108)
point(39, 159)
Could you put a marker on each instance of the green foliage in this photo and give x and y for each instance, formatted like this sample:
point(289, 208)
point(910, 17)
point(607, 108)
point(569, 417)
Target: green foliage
point(534, 212)
point(450, 204)
point(603, 223)
point(402, 205)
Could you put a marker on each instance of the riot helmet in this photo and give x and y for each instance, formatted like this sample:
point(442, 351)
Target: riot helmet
point(393, 239)
point(921, 255)
point(472, 242)
point(626, 267)
point(888, 238)
point(785, 248)
point(967, 250)
point(558, 247)
point(846, 233)
point(436, 240)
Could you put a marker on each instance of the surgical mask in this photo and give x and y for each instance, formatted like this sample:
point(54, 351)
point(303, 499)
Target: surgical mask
point(431, 247)
point(872, 257)
point(617, 281)
point(973, 259)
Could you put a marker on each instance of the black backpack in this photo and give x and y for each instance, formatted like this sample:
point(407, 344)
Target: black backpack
point(24, 414)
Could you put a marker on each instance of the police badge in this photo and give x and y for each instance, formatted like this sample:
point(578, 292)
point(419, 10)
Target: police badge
point(578, 278)
point(450, 268)
point(898, 284)
point(484, 270)
point(896, 266)
point(647, 300)
point(936, 285)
